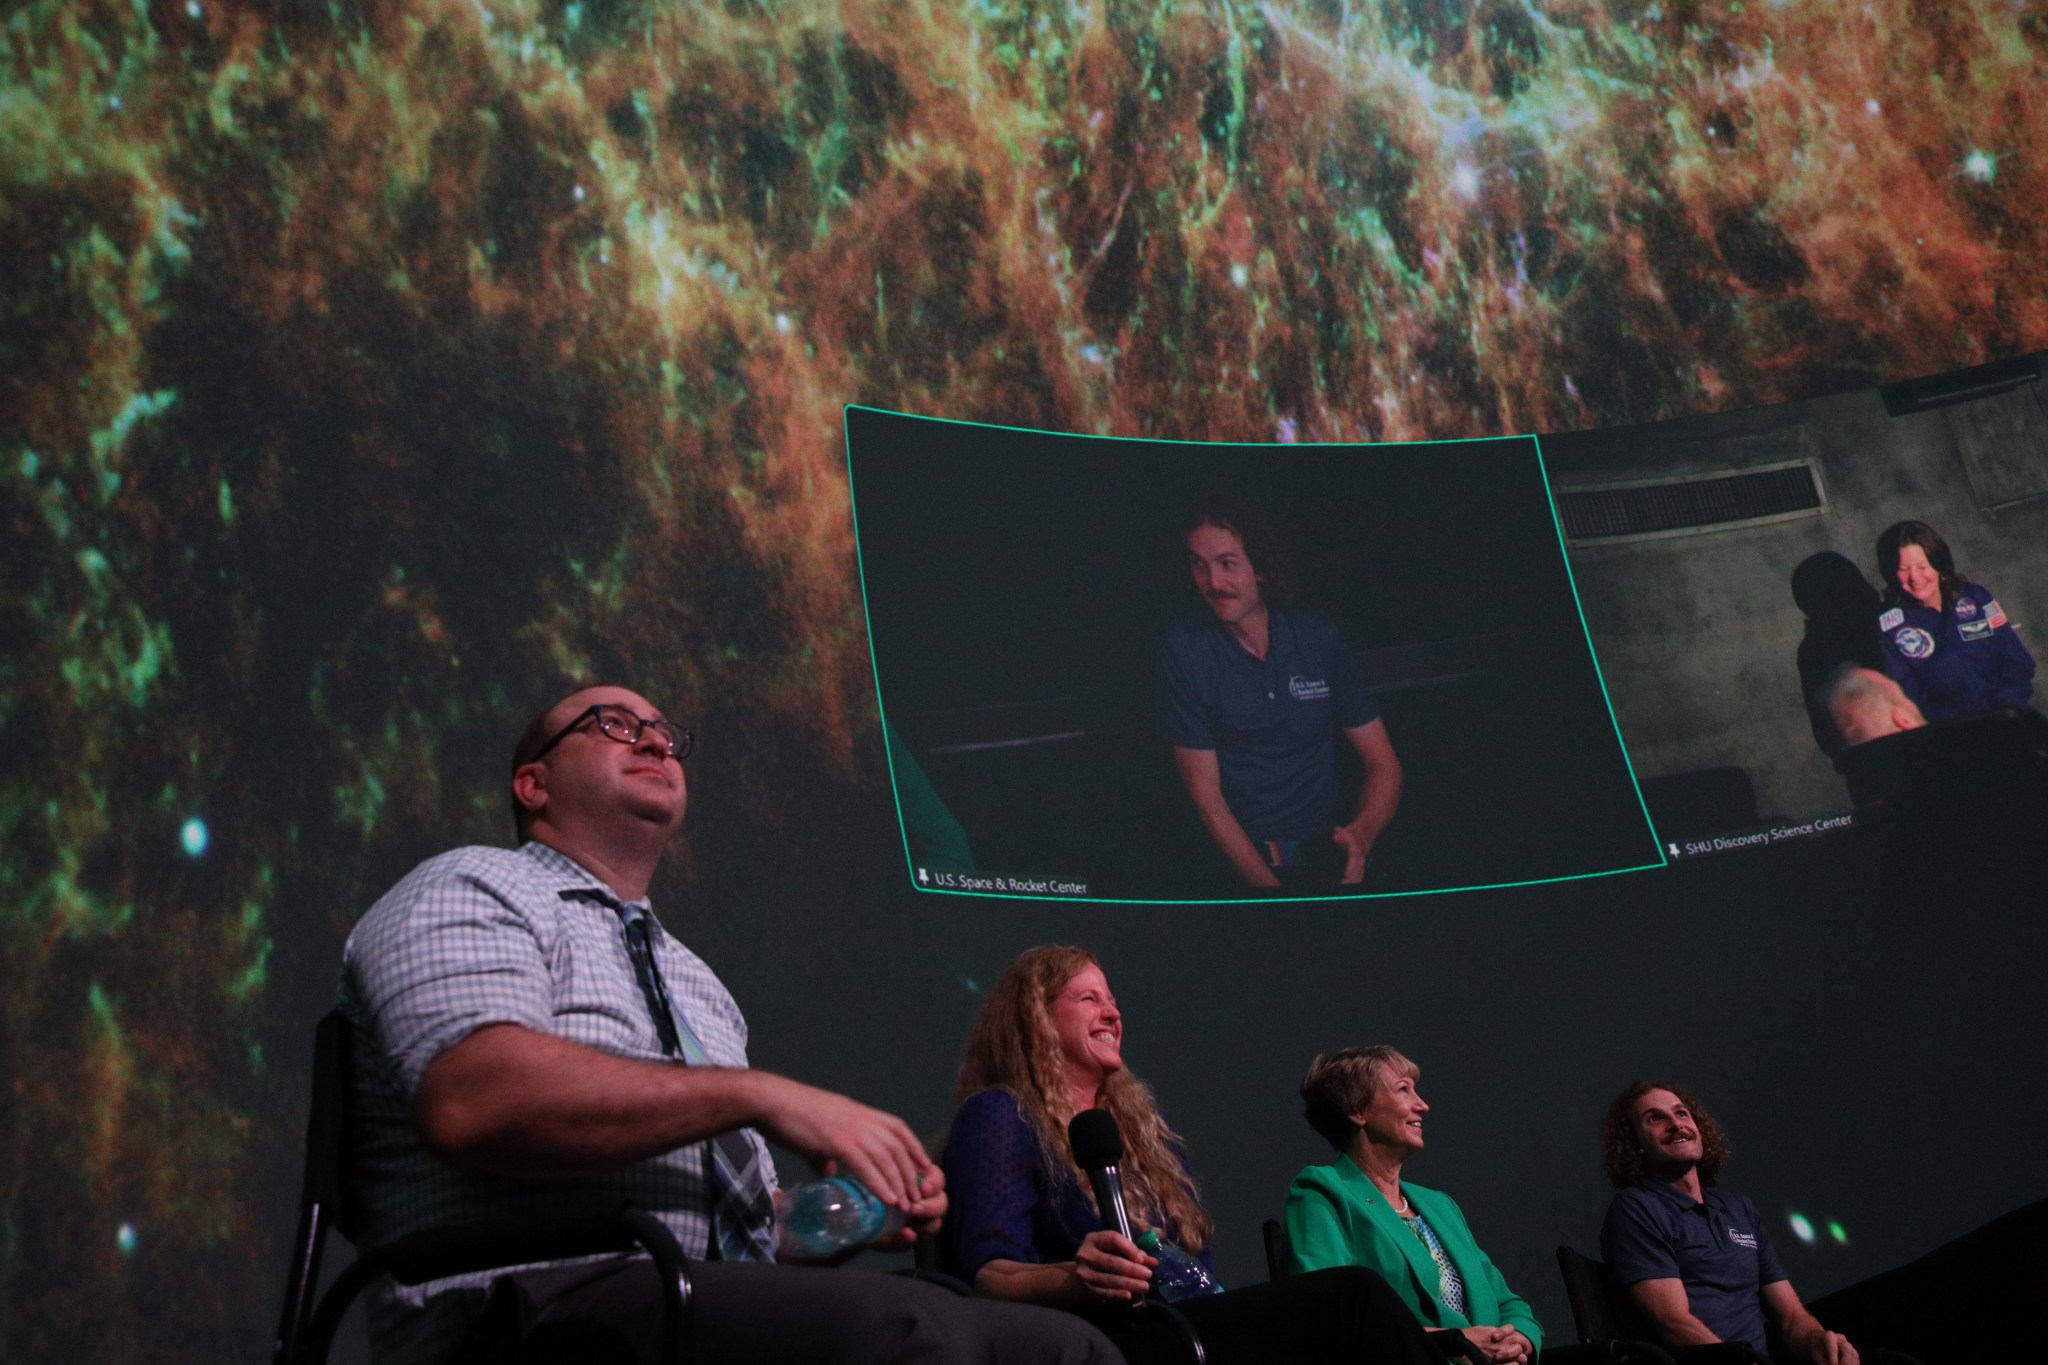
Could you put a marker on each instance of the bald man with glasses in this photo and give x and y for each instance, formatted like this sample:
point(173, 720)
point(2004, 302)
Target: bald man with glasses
point(530, 1039)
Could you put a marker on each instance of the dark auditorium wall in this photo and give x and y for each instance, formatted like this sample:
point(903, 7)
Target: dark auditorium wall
point(372, 370)
point(1696, 632)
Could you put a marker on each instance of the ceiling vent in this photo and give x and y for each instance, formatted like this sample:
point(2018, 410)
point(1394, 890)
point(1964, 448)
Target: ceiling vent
point(1690, 504)
point(1958, 386)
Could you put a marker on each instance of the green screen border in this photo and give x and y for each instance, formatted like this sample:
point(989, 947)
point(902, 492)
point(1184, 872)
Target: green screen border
point(895, 795)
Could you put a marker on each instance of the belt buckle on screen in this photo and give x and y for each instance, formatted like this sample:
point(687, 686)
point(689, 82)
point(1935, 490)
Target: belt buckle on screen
point(1283, 853)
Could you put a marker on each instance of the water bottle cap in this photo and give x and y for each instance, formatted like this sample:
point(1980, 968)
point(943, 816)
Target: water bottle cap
point(1148, 1241)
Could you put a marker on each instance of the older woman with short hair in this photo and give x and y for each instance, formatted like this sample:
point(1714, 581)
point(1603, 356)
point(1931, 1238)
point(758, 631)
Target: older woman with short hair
point(1358, 1211)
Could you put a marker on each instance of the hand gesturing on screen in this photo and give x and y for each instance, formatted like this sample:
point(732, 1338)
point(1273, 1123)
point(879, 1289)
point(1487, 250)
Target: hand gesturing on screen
point(1355, 850)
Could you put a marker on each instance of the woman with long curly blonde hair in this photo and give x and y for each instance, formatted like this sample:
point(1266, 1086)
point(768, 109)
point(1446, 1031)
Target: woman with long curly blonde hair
point(1022, 1225)
point(1015, 1047)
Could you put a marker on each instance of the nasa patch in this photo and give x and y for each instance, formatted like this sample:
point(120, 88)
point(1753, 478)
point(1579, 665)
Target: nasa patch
point(1966, 606)
point(1891, 620)
point(1914, 643)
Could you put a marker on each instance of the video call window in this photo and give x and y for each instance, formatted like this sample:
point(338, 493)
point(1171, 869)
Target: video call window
point(1822, 617)
point(1137, 670)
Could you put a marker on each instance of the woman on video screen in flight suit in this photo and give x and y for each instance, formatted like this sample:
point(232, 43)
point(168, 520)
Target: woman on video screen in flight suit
point(1947, 642)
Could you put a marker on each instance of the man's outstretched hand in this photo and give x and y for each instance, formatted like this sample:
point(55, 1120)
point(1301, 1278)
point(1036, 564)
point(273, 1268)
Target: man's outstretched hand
point(874, 1146)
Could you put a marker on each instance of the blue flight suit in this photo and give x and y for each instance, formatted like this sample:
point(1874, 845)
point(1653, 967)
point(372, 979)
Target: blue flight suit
point(1957, 663)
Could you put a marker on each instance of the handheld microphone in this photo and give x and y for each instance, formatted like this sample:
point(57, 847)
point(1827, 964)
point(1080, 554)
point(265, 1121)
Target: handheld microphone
point(1098, 1149)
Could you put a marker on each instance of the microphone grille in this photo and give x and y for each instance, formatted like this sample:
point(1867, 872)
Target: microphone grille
point(1094, 1137)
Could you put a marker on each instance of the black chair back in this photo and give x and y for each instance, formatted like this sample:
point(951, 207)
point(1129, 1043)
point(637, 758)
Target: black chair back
point(321, 1190)
point(307, 1324)
point(1277, 1248)
point(1586, 1287)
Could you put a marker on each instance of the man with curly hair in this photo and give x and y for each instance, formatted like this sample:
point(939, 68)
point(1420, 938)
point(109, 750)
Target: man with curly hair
point(1698, 1262)
point(1252, 694)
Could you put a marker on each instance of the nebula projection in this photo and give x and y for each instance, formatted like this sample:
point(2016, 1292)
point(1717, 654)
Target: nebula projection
point(368, 368)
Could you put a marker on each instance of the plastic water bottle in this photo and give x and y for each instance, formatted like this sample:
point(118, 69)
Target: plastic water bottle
point(820, 1218)
point(1178, 1275)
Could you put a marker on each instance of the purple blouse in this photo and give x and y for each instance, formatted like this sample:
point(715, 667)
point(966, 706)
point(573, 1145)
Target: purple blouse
point(1002, 1202)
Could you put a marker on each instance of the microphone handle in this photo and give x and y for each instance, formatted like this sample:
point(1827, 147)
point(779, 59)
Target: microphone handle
point(1108, 1182)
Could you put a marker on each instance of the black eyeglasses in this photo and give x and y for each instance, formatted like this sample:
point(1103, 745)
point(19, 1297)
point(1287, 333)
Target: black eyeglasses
point(622, 725)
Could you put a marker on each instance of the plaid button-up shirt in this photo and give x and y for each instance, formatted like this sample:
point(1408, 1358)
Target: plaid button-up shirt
point(486, 936)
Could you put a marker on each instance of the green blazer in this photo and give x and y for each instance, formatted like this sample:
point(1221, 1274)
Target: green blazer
point(1337, 1216)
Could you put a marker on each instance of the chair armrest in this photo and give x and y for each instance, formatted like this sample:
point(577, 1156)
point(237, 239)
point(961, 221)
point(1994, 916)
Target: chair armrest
point(1577, 1353)
point(1454, 1345)
point(441, 1252)
point(438, 1253)
point(1620, 1351)
point(1190, 1339)
point(1720, 1353)
point(951, 1284)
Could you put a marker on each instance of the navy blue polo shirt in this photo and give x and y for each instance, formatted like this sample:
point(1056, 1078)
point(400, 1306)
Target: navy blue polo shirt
point(1718, 1249)
point(1271, 721)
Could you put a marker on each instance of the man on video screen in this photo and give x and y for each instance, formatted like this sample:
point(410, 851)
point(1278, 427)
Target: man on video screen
point(1252, 693)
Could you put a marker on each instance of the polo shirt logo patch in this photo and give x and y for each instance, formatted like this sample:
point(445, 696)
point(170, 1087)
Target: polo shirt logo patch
point(1307, 689)
point(1742, 1239)
point(1974, 630)
point(1966, 606)
point(1914, 643)
point(1892, 619)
